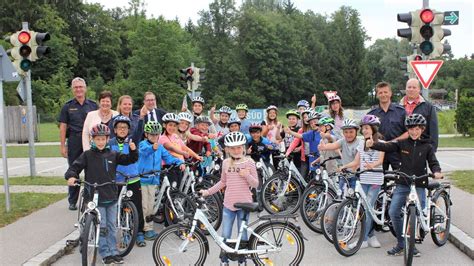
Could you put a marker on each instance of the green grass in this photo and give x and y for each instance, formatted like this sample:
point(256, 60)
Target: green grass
point(463, 180)
point(464, 142)
point(23, 204)
point(48, 132)
point(37, 180)
point(446, 122)
point(40, 151)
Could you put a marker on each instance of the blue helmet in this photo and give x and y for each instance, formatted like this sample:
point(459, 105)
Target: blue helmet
point(121, 119)
point(303, 103)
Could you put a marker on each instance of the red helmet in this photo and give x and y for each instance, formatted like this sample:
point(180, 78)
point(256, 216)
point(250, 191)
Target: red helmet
point(100, 130)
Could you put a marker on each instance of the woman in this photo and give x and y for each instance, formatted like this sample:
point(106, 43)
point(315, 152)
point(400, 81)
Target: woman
point(101, 116)
point(337, 113)
point(124, 107)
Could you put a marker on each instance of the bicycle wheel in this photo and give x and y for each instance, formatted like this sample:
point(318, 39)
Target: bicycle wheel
point(89, 241)
point(127, 230)
point(181, 203)
point(166, 248)
point(287, 202)
point(327, 219)
point(348, 228)
point(283, 235)
point(439, 223)
point(409, 234)
point(315, 200)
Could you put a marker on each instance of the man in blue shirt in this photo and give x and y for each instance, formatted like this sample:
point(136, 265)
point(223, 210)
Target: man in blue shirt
point(392, 119)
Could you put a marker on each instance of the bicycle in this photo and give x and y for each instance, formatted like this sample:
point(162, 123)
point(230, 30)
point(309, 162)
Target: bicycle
point(185, 244)
point(434, 218)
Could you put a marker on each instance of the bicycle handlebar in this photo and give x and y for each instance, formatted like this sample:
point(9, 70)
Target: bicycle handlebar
point(95, 185)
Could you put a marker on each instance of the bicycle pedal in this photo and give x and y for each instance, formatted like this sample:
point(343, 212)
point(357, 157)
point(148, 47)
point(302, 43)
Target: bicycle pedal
point(418, 241)
point(438, 219)
point(76, 225)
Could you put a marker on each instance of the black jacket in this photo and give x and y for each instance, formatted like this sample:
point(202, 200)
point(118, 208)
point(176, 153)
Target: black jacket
point(99, 168)
point(414, 154)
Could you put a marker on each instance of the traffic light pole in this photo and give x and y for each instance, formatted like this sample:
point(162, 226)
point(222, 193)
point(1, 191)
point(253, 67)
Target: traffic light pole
point(30, 125)
point(193, 86)
point(424, 91)
point(4, 144)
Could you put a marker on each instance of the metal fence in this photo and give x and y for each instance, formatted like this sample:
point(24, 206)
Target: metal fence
point(16, 124)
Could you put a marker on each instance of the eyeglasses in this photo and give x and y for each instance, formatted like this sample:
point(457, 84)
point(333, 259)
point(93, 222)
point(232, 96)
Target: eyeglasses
point(122, 128)
point(150, 100)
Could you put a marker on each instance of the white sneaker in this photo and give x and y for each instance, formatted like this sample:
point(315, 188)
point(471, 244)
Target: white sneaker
point(374, 242)
point(363, 245)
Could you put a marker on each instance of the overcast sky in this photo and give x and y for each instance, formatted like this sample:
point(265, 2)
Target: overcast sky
point(379, 17)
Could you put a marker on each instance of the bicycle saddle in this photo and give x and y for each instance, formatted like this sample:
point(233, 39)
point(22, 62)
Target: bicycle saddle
point(433, 185)
point(248, 206)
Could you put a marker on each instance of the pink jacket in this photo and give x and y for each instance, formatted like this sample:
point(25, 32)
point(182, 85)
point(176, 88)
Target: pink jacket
point(295, 144)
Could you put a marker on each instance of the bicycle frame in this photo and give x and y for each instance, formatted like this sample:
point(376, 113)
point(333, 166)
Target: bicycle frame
point(95, 212)
point(362, 199)
point(292, 170)
point(164, 190)
point(200, 216)
point(122, 196)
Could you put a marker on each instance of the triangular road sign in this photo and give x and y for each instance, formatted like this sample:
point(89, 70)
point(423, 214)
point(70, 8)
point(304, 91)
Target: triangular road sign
point(426, 70)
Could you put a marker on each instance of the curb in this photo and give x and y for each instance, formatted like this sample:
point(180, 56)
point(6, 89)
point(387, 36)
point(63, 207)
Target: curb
point(462, 241)
point(455, 149)
point(56, 251)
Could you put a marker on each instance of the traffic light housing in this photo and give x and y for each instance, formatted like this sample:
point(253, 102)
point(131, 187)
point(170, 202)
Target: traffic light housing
point(412, 34)
point(38, 50)
point(426, 31)
point(406, 63)
point(439, 33)
point(186, 77)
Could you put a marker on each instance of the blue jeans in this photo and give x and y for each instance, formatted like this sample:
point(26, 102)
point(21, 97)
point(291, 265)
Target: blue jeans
point(228, 222)
point(371, 191)
point(342, 183)
point(108, 230)
point(399, 198)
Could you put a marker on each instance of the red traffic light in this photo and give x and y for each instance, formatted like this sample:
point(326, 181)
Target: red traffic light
point(190, 71)
point(427, 16)
point(418, 58)
point(24, 37)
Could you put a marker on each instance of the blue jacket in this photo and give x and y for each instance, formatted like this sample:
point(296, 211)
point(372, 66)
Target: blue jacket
point(260, 147)
point(131, 169)
point(150, 160)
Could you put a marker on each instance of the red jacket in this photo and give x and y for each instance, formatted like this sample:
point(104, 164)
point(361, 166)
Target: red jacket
point(197, 146)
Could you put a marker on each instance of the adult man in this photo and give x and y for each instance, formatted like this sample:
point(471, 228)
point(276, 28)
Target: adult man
point(154, 113)
point(392, 119)
point(414, 103)
point(71, 121)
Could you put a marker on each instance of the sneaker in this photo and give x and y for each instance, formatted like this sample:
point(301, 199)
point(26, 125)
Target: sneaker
point(224, 263)
point(374, 242)
point(141, 240)
point(362, 246)
point(117, 259)
point(72, 207)
point(395, 251)
point(150, 235)
point(416, 253)
point(108, 260)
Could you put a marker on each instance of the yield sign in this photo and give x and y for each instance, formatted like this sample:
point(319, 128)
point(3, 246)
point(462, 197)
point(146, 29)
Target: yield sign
point(426, 70)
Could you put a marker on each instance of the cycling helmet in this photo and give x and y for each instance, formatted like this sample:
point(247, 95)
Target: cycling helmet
point(415, 120)
point(152, 127)
point(370, 120)
point(170, 117)
point(198, 99)
point(121, 119)
point(303, 103)
point(292, 112)
point(100, 130)
point(234, 139)
point(334, 98)
point(272, 107)
point(327, 121)
point(225, 110)
point(255, 127)
point(202, 119)
point(186, 117)
point(242, 106)
point(233, 120)
point(349, 123)
point(307, 110)
point(313, 115)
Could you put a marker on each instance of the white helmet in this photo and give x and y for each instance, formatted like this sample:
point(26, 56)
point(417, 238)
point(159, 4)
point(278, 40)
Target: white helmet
point(313, 115)
point(186, 117)
point(225, 110)
point(235, 139)
point(170, 117)
point(198, 99)
point(349, 123)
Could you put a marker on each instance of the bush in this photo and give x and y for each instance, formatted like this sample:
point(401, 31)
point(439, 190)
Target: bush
point(446, 122)
point(464, 117)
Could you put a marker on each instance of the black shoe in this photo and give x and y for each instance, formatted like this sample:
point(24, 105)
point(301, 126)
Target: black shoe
point(72, 207)
point(118, 259)
point(395, 251)
point(416, 253)
point(108, 260)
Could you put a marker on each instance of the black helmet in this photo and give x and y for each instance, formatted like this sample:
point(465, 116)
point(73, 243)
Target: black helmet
point(415, 120)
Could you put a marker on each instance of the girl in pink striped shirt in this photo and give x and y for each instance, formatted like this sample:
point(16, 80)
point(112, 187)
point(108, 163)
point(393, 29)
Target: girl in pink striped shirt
point(238, 175)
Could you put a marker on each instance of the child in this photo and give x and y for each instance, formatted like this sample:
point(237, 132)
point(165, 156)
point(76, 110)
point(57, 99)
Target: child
point(202, 130)
point(234, 126)
point(259, 146)
point(304, 145)
point(326, 125)
point(175, 146)
point(293, 117)
point(415, 152)
point(238, 174)
point(242, 110)
point(151, 156)
point(371, 182)
point(185, 121)
point(121, 144)
point(221, 124)
point(271, 125)
point(100, 164)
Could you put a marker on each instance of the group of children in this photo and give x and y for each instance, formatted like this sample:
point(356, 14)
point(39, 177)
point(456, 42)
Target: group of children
point(309, 137)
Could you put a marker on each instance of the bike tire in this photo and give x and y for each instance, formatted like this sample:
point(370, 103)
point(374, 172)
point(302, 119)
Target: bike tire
point(182, 203)
point(127, 230)
point(80, 204)
point(88, 240)
point(173, 236)
point(327, 218)
point(447, 207)
point(409, 235)
point(310, 208)
point(281, 233)
point(343, 243)
point(286, 204)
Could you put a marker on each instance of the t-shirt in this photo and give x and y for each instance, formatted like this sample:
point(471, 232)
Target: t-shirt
point(369, 156)
point(348, 150)
point(175, 142)
point(312, 137)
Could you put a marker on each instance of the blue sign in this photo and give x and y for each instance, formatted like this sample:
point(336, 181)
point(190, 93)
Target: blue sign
point(253, 115)
point(23, 119)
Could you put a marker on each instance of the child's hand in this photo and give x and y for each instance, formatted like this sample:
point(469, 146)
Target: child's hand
point(132, 145)
point(438, 175)
point(322, 146)
point(313, 99)
point(199, 158)
point(270, 147)
point(71, 181)
point(244, 172)
point(213, 108)
point(204, 192)
point(369, 142)
point(368, 166)
point(208, 153)
point(182, 167)
point(155, 146)
point(212, 136)
point(249, 150)
point(204, 139)
point(287, 130)
point(185, 154)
